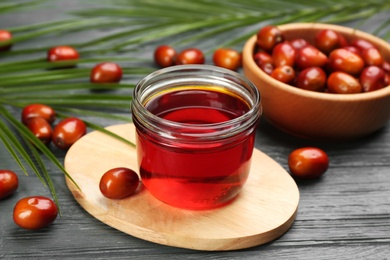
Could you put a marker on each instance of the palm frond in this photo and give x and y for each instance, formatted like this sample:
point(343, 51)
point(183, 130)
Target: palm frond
point(185, 16)
point(30, 137)
point(109, 133)
point(6, 7)
point(13, 146)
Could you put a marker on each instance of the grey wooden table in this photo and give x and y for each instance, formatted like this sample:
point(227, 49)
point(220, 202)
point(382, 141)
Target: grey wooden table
point(344, 215)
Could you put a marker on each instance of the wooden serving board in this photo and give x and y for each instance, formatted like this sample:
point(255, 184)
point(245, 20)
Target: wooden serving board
point(264, 210)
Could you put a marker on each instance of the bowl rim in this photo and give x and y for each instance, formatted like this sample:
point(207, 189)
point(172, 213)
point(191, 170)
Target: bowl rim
point(248, 60)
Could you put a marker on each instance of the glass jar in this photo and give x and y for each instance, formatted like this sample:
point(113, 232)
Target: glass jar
point(195, 132)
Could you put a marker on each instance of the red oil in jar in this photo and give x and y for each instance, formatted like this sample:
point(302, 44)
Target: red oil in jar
point(190, 151)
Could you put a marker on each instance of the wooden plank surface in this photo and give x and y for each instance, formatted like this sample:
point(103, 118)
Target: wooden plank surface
point(344, 215)
point(263, 211)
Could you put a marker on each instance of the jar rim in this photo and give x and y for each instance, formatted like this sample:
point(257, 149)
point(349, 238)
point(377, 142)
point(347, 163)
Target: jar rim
point(222, 129)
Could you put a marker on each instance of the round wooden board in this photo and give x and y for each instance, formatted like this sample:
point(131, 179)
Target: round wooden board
point(264, 210)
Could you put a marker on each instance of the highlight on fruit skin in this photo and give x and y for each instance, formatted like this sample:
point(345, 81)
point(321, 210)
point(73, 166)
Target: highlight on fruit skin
point(308, 163)
point(118, 183)
point(164, 56)
point(67, 132)
point(330, 52)
point(190, 56)
point(227, 58)
point(38, 110)
point(106, 72)
point(5, 35)
point(9, 183)
point(59, 53)
point(63, 54)
point(41, 129)
point(35, 212)
point(268, 37)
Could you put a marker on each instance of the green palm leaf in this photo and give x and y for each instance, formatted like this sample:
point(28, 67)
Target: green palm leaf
point(131, 29)
point(13, 146)
point(30, 137)
point(10, 6)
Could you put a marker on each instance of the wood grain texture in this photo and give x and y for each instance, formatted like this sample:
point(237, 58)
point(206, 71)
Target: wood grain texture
point(344, 215)
point(264, 210)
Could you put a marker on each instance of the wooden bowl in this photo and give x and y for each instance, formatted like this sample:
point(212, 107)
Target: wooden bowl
point(318, 115)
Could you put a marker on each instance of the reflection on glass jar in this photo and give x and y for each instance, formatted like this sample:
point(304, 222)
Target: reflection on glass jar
point(195, 134)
